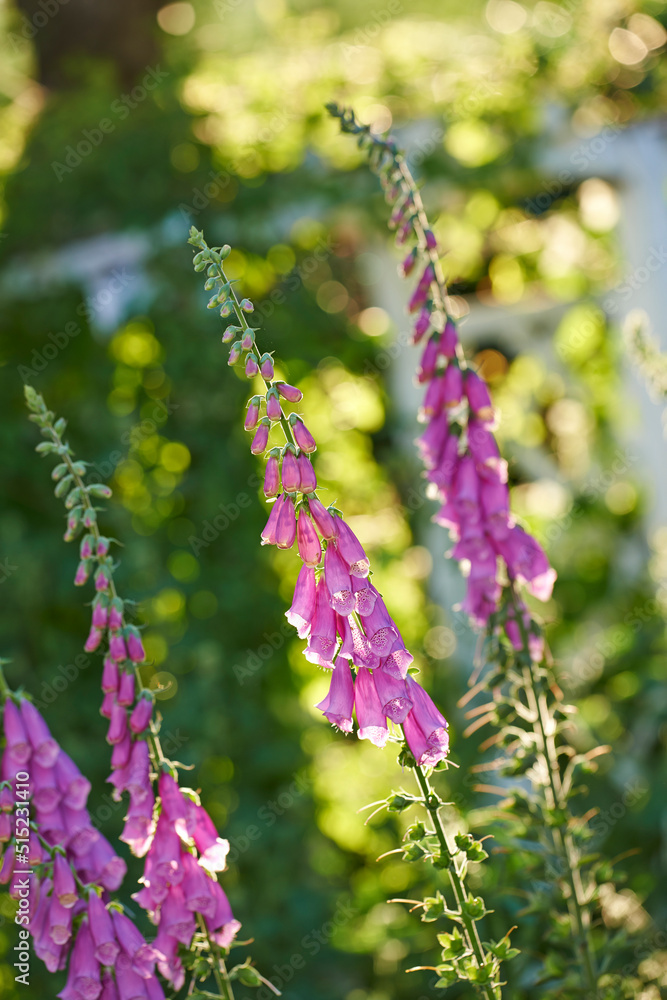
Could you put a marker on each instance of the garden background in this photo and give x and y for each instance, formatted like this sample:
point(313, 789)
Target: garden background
point(122, 124)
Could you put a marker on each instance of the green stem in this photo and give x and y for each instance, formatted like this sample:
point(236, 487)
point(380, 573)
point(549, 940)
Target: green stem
point(544, 729)
point(220, 973)
point(153, 738)
point(432, 804)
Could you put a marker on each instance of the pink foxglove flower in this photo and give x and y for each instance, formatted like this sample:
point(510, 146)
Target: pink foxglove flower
point(322, 639)
point(301, 613)
point(339, 702)
point(18, 745)
point(84, 969)
point(425, 728)
point(310, 548)
point(64, 886)
point(307, 478)
point(426, 368)
point(213, 849)
point(371, 719)
point(102, 931)
point(327, 525)
point(269, 533)
point(59, 922)
point(478, 396)
point(393, 695)
point(337, 578)
point(286, 524)
point(44, 747)
point(352, 550)
point(291, 475)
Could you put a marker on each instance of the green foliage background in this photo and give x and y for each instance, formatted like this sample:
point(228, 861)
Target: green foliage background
point(153, 405)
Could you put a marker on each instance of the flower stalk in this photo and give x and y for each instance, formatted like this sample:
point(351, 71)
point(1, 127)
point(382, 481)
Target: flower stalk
point(349, 630)
point(456, 445)
point(164, 823)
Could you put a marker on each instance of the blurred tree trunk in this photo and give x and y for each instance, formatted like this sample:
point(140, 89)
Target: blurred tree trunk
point(120, 32)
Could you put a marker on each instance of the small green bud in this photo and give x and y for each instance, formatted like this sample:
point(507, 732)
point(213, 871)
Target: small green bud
point(63, 486)
point(248, 976)
point(99, 490)
point(59, 470)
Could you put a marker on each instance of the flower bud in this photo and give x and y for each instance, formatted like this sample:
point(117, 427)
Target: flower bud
point(251, 366)
point(302, 435)
point(126, 686)
point(266, 366)
point(117, 648)
point(116, 613)
point(235, 353)
point(142, 712)
point(100, 611)
point(289, 392)
point(252, 416)
point(230, 333)
point(261, 438)
point(326, 523)
point(103, 545)
point(82, 572)
point(286, 525)
point(272, 477)
point(89, 517)
point(94, 639)
point(308, 480)
point(247, 342)
point(448, 341)
point(290, 471)
point(135, 647)
point(247, 306)
point(273, 410)
point(87, 546)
